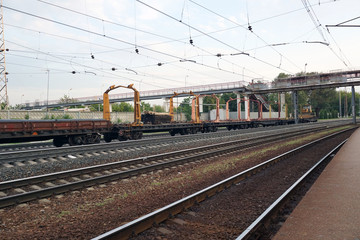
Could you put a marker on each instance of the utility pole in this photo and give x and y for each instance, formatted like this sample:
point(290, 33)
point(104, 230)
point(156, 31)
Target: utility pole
point(47, 92)
point(346, 105)
point(340, 114)
point(4, 99)
point(353, 104)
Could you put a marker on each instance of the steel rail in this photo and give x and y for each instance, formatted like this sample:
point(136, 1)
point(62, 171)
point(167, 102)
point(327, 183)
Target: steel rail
point(278, 203)
point(7, 147)
point(4, 148)
point(18, 156)
point(147, 221)
point(168, 160)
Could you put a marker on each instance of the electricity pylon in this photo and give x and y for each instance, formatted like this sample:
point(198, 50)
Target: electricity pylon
point(4, 100)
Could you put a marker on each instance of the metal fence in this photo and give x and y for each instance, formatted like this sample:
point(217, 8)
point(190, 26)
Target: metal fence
point(38, 115)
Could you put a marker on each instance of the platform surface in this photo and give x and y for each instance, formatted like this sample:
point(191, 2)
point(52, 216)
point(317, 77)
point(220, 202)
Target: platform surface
point(330, 210)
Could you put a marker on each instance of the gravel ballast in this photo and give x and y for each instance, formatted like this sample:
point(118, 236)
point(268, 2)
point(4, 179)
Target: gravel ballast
point(90, 212)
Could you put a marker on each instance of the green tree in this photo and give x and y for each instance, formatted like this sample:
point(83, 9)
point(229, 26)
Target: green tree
point(323, 99)
point(209, 103)
point(232, 104)
point(185, 107)
point(282, 75)
point(158, 108)
point(122, 107)
point(2, 105)
point(96, 107)
point(145, 106)
point(67, 99)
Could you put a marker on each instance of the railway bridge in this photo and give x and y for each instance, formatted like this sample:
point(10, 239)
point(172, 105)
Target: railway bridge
point(332, 79)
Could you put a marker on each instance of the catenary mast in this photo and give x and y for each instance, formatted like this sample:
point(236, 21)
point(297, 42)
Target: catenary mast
point(4, 100)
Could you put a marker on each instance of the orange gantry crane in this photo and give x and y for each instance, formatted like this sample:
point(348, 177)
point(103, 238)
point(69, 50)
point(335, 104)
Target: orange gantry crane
point(197, 108)
point(137, 112)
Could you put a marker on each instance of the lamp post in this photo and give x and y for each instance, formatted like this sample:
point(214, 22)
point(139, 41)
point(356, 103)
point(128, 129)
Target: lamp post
point(47, 97)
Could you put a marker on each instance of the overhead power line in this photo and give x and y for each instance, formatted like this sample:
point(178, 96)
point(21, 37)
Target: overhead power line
point(248, 28)
point(342, 23)
point(119, 40)
point(211, 37)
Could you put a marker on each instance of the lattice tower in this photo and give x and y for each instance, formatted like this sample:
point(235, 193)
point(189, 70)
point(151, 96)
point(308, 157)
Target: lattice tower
point(4, 100)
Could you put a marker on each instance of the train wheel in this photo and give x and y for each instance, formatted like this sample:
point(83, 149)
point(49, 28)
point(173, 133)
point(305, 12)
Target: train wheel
point(229, 127)
point(58, 142)
point(91, 139)
point(122, 138)
point(136, 135)
point(76, 140)
point(97, 139)
point(107, 138)
point(172, 132)
point(140, 135)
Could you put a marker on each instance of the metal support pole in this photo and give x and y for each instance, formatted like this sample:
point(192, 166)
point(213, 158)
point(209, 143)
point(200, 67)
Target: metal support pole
point(346, 106)
point(296, 114)
point(279, 106)
point(227, 111)
point(201, 104)
point(239, 111)
point(353, 104)
point(340, 113)
point(47, 92)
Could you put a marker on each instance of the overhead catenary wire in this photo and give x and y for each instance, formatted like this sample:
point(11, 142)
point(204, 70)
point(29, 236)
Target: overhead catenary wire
point(82, 65)
point(147, 59)
point(119, 40)
point(64, 8)
point(135, 28)
point(319, 27)
point(249, 28)
point(72, 39)
point(211, 37)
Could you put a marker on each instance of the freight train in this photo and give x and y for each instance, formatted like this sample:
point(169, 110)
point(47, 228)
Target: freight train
point(78, 132)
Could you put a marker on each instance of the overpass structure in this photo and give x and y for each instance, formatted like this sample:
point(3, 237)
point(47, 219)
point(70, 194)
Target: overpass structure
point(217, 88)
point(332, 79)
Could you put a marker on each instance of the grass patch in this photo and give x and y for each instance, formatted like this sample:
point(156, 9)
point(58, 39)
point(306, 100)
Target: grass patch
point(105, 202)
point(156, 183)
point(63, 213)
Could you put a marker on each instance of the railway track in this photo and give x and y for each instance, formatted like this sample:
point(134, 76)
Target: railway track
point(28, 189)
point(11, 147)
point(20, 158)
point(48, 144)
point(141, 224)
point(263, 224)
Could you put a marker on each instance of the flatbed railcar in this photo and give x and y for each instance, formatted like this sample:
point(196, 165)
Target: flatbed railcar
point(78, 132)
point(73, 132)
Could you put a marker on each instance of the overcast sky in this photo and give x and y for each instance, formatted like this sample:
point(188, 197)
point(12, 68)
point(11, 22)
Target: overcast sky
point(76, 44)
